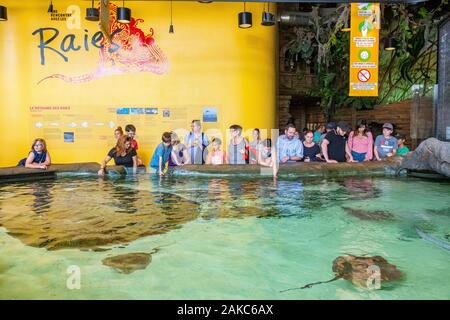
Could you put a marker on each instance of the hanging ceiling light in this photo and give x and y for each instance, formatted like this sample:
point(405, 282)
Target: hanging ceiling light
point(245, 19)
point(92, 13)
point(389, 44)
point(123, 14)
point(3, 13)
point(171, 25)
point(268, 19)
point(50, 7)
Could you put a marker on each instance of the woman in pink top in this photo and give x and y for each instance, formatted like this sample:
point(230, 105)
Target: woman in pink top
point(216, 156)
point(360, 143)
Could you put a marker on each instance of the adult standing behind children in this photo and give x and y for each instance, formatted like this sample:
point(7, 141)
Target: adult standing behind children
point(385, 144)
point(196, 142)
point(360, 143)
point(290, 148)
point(334, 145)
point(238, 147)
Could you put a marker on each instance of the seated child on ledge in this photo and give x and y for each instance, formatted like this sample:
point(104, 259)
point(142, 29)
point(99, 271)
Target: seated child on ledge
point(38, 157)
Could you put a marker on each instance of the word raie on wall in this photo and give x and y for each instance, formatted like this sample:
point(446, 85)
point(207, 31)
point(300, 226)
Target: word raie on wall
point(126, 48)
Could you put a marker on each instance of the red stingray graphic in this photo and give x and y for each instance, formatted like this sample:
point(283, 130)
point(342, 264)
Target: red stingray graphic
point(138, 53)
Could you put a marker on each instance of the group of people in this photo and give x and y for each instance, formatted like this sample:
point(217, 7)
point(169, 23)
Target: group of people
point(331, 143)
point(337, 142)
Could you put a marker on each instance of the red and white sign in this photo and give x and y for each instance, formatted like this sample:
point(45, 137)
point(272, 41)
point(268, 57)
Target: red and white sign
point(363, 75)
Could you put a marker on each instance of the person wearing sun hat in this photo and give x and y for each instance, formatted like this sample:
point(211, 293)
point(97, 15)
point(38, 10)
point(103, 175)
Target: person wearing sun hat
point(386, 145)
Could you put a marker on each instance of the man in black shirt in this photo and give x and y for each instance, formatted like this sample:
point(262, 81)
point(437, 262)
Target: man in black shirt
point(334, 145)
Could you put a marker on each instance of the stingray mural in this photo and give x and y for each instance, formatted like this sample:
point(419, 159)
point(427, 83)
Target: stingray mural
point(131, 50)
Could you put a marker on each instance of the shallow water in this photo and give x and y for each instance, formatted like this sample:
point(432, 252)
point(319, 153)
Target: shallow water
point(220, 238)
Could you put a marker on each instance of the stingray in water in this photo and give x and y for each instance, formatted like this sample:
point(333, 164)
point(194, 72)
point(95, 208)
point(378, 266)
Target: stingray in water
point(358, 270)
point(369, 215)
point(440, 243)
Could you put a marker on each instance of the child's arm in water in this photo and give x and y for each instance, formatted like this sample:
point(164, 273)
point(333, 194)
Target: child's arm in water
point(105, 161)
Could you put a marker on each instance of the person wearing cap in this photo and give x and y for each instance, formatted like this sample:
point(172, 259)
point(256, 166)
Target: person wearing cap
point(385, 144)
point(360, 143)
point(334, 146)
point(290, 148)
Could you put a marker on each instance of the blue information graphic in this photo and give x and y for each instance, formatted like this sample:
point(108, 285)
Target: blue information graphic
point(209, 115)
point(123, 110)
point(69, 137)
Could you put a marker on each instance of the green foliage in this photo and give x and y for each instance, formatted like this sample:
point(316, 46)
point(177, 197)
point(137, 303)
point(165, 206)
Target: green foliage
point(326, 49)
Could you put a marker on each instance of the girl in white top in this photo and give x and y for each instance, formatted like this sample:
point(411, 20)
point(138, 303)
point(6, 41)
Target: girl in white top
point(216, 156)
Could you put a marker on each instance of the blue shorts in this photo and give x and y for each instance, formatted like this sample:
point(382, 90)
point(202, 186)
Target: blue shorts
point(359, 156)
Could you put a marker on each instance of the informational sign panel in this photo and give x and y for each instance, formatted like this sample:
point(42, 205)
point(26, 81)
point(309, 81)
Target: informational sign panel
point(364, 43)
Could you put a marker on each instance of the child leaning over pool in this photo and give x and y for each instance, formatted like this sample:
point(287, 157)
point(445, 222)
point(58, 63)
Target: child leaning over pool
point(216, 156)
point(267, 156)
point(38, 157)
point(402, 149)
point(162, 154)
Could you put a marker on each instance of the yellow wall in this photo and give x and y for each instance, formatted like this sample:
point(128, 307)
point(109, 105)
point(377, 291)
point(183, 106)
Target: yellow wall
point(211, 63)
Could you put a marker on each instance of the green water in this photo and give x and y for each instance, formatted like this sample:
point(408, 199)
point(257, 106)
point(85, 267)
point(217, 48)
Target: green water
point(247, 239)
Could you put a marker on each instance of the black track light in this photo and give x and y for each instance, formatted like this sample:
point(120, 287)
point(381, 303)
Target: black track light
point(268, 19)
point(3, 13)
point(245, 19)
point(92, 13)
point(123, 14)
point(390, 44)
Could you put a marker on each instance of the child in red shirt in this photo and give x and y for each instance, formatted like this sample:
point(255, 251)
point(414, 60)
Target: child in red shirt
point(131, 132)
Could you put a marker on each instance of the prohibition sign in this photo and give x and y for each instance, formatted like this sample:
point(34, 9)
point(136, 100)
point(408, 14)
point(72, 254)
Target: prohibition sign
point(363, 75)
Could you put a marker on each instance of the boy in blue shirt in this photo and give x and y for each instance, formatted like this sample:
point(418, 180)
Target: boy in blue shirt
point(161, 155)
